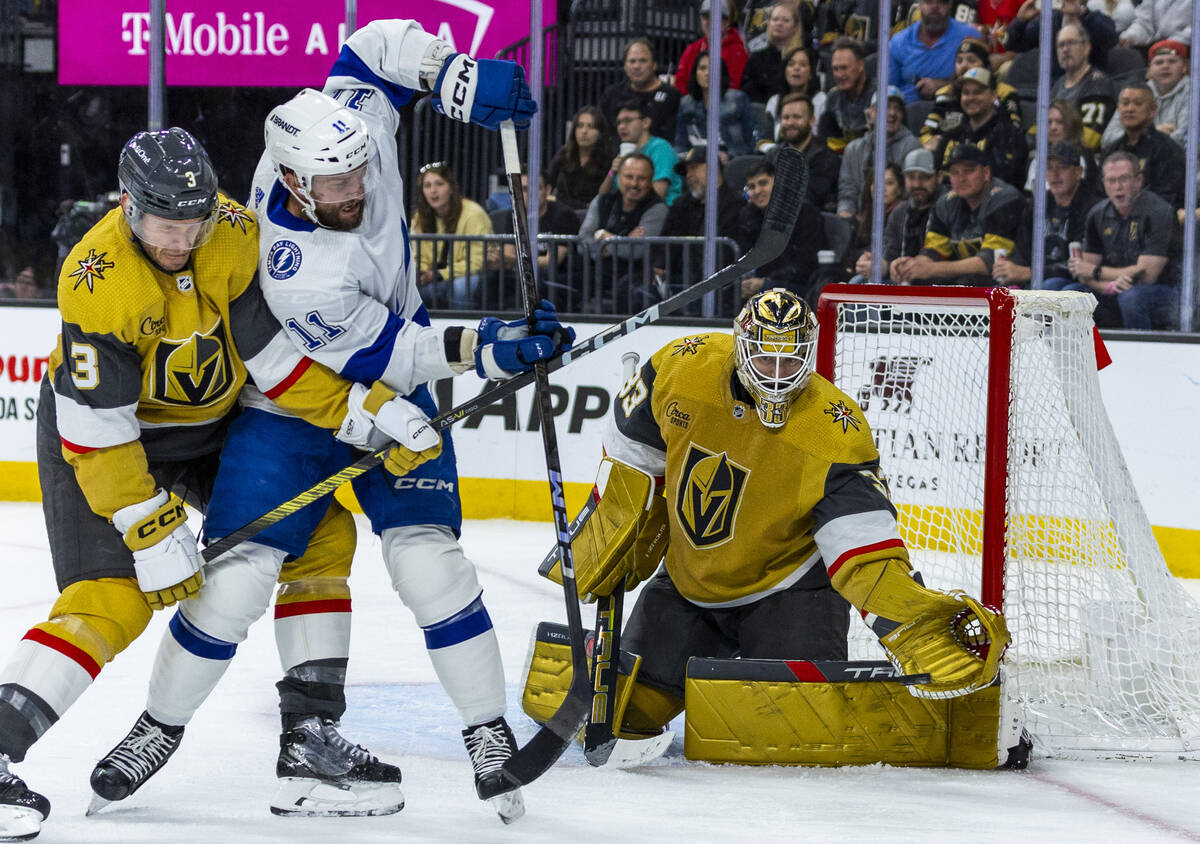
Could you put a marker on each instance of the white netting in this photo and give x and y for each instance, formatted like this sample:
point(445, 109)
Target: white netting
point(1106, 644)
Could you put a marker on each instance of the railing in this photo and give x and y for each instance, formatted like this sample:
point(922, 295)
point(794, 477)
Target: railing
point(626, 276)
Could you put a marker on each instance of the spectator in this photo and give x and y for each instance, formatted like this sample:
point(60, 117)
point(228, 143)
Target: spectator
point(1126, 252)
point(904, 231)
point(845, 116)
point(25, 286)
point(660, 101)
point(988, 128)
point(796, 268)
point(1161, 160)
point(737, 124)
point(633, 127)
point(1170, 84)
point(579, 167)
point(733, 50)
point(1121, 12)
point(756, 19)
point(1089, 88)
point(635, 210)
point(922, 55)
point(448, 273)
point(1068, 201)
point(1025, 31)
point(978, 216)
point(763, 76)
point(857, 20)
point(893, 195)
point(947, 112)
point(859, 159)
point(553, 218)
point(799, 77)
point(795, 130)
point(1065, 125)
point(1156, 20)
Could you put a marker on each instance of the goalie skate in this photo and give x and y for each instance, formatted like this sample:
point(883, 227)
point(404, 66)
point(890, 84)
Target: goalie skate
point(135, 759)
point(490, 745)
point(322, 774)
point(21, 810)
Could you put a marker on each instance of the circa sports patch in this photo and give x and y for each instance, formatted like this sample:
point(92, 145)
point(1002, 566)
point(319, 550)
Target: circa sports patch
point(283, 261)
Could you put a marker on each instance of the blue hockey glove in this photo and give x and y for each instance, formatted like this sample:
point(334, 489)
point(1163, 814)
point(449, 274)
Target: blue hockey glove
point(483, 91)
point(507, 348)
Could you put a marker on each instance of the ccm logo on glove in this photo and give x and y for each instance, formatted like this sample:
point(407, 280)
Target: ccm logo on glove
point(163, 519)
point(464, 89)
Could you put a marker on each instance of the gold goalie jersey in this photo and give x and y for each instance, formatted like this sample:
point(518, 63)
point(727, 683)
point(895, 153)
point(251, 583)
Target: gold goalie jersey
point(752, 510)
point(149, 364)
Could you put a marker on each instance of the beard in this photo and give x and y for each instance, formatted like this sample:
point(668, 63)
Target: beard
point(343, 217)
point(794, 135)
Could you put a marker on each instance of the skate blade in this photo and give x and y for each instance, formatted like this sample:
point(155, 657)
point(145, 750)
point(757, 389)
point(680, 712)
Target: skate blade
point(509, 806)
point(96, 805)
point(629, 753)
point(18, 823)
point(301, 797)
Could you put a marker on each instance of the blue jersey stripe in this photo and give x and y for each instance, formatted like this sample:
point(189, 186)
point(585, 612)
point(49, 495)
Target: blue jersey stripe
point(460, 627)
point(278, 213)
point(368, 364)
point(195, 641)
point(349, 64)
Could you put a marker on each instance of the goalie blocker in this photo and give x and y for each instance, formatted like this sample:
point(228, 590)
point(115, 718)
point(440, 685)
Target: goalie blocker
point(804, 712)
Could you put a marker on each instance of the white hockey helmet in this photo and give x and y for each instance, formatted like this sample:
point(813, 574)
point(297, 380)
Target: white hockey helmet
point(776, 339)
point(313, 136)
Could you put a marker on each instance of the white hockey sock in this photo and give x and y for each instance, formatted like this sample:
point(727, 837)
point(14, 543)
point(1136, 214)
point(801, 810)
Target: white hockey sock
point(466, 657)
point(186, 669)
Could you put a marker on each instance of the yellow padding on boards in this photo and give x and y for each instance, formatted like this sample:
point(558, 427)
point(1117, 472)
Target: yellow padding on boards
point(101, 617)
point(752, 722)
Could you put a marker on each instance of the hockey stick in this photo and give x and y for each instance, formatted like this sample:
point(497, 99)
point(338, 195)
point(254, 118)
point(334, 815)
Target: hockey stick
point(530, 761)
point(791, 184)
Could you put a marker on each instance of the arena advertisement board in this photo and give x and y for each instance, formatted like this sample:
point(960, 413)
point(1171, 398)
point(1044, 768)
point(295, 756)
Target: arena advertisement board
point(266, 42)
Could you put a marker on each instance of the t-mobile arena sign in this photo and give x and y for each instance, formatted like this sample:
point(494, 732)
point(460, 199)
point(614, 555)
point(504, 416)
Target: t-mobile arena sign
point(260, 42)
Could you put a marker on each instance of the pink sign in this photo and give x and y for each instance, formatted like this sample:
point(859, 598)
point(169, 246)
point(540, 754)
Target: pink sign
point(260, 42)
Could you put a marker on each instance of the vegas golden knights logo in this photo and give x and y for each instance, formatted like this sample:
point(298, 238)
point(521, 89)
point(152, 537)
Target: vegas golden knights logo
point(710, 491)
point(196, 371)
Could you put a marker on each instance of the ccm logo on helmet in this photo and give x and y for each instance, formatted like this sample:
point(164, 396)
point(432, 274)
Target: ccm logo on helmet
point(462, 88)
point(284, 125)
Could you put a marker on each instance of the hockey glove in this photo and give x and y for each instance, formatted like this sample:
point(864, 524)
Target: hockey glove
point(378, 416)
point(165, 558)
point(507, 348)
point(483, 91)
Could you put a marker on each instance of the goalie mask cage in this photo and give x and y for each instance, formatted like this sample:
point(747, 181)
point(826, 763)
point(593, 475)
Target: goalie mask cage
point(1009, 484)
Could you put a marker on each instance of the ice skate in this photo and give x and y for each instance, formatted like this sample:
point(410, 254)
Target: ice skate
point(320, 773)
point(134, 760)
point(21, 810)
point(490, 745)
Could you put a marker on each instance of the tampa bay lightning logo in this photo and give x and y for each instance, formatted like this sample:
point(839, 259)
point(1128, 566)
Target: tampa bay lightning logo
point(283, 261)
point(258, 197)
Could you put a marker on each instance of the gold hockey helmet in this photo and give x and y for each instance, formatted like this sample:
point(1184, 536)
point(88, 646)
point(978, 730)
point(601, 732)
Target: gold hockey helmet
point(776, 338)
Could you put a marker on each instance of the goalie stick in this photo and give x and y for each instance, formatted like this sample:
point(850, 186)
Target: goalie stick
point(791, 185)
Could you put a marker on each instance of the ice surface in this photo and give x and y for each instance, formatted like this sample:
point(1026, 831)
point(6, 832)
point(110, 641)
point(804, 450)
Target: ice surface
point(217, 786)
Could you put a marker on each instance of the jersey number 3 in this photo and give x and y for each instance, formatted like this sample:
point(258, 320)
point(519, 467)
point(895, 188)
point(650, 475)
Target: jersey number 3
point(310, 339)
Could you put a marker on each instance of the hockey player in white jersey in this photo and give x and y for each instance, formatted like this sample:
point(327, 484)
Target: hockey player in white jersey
point(337, 272)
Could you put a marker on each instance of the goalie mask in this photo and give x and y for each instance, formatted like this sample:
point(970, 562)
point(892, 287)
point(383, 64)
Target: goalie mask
point(329, 151)
point(776, 338)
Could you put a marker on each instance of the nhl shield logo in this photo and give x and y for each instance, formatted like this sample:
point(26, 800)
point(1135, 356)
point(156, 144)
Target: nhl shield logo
point(710, 492)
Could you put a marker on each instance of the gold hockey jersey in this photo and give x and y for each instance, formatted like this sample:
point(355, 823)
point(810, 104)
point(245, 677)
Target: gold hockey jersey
point(149, 364)
point(752, 510)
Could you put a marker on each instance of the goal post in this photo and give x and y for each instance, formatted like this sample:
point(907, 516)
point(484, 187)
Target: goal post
point(1009, 483)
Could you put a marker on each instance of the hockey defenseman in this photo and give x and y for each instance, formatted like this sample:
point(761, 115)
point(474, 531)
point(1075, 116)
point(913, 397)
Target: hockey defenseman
point(163, 320)
point(777, 518)
point(337, 270)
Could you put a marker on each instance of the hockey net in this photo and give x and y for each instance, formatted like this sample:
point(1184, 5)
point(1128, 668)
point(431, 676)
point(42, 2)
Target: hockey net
point(1009, 484)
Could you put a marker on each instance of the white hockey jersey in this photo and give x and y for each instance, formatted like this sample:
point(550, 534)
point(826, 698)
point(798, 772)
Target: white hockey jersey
point(349, 299)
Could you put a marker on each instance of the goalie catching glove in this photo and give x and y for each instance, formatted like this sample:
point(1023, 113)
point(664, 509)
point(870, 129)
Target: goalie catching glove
point(378, 416)
point(950, 636)
point(165, 558)
point(624, 539)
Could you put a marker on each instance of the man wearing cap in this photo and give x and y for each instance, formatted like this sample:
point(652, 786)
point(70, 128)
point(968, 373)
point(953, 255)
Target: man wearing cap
point(947, 113)
point(1128, 259)
point(845, 115)
point(922, 54)
point(733, 49)
point(1068, 202)
point(685, 218)
point(979, 215)
point(859, 158)
point(987, 128)
point(1171, 85)
point(1161, 160)
point(904, 232)
point(1088, 88)
point(796, 131)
